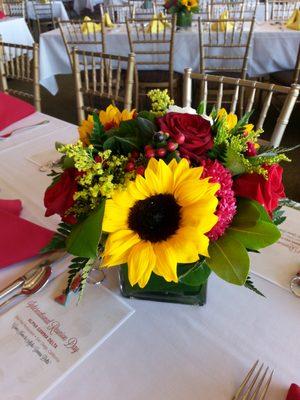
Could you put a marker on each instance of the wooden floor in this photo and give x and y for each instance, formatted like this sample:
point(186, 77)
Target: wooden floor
point(63, 106)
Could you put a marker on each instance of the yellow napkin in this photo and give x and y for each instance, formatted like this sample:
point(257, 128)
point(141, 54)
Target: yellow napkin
point(155, 25)
point(89, 27)
point(107, 21)
point(164, 20)
point(294, 21)
point(221, 26)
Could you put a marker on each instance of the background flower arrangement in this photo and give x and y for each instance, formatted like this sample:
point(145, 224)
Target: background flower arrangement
point(169, 192)
point(184, 10)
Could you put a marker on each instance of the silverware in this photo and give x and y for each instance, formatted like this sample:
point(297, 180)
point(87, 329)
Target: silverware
point(254, 386)
point(8, 134)
point(33, 284)
point(295, 284)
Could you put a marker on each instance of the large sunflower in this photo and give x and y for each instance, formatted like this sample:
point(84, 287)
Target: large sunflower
point(160, 220)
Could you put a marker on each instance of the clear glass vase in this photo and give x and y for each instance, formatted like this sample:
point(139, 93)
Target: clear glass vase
point(184, 20)
point(157, 289)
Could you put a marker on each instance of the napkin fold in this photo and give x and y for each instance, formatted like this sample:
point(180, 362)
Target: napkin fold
point(107, 21)
point(294, 21)
point(2, 14)
point(222, 25)
point(155, 25)
point(19, 239)
point(13, 109)
point(89, 27)
point(164, 20)
point(294, 392)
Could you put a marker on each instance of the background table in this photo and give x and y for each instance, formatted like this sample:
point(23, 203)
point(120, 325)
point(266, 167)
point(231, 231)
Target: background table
point(15, 30)
point(59, 11)
point(164, 351)
point(80, 5)
point(273, 49)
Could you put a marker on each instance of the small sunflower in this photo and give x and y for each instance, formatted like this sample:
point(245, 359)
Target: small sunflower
point(189, 4)
point(112, 117)
point(86, 129)
point(229, 119)
point(160, 220)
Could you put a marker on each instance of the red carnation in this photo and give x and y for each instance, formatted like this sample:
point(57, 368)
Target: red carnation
point(192, 133)
point(266, 191)
point(58, 197)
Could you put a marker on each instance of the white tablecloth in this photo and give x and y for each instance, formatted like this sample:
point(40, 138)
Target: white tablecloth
point(15, 30)
point(59, 11)
point(274, 49)
point(80, 5)
point(165, 351)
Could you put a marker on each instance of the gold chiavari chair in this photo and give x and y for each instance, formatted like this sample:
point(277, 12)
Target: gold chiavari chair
point(152, 50)
point(139, 12)
point(253, 88)
point(93, 73)
point(225, 51)
point(159, 5)
point(235, 9)
point(118, 13)
point(13, 8)
point(44, 16)
point(278, 10)
point(74, 36)
point(19, 63)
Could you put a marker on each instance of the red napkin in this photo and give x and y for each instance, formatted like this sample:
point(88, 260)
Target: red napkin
point(2, 15)
point(12, 110)
point(19, 239)
point(294, 392)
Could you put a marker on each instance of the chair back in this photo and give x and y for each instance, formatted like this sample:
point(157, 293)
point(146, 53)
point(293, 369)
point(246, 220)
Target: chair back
point(296, 76)
point(44, 15)
point(94, 79)
point(152, 49)
point(227, 49)
point(14, 8)
point(139, 12)
point(118, 13)
point(90, 39)
point(253, 88)
point(21, 63)
point(235, 9)
point(277, 10)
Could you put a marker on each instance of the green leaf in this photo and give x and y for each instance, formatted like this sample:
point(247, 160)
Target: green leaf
point(147, 115)
point(68, 162)
point(264, 216)
point(147, 129)
point(229, 259)
point(256, 237)
point(247, 213)
point(249, 285)
point(84, 238)
point(201, 109)
point(242, 122)
point(233, 161)
point(196, 275)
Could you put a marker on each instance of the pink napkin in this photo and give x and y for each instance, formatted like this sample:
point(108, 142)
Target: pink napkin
point(12, 110)
point(2, 15)
point(294, 392)
point(19, 239)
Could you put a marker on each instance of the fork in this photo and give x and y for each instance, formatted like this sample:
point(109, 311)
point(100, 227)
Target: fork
point(249, 389)
point(8, 134)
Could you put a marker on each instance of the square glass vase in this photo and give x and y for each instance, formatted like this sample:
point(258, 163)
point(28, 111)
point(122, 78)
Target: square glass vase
point(158, 289)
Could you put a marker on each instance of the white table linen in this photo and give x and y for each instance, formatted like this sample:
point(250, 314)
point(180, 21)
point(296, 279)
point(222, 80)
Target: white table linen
point(80, 5)
point(59, 11)
point(15, 30)
point(166, 351)
point(274, 49)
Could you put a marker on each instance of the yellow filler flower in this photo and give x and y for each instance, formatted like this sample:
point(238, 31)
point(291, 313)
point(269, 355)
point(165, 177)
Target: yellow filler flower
point(160, 220)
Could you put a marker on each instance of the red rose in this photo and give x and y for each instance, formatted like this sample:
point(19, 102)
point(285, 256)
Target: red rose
point(192, 133)
point(59, 197)
point(266, 191)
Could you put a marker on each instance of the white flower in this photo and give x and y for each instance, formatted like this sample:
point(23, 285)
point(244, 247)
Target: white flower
point(182, 110)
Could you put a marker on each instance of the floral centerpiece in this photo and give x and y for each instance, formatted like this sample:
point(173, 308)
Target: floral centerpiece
point(184, 10)
point(170, 195)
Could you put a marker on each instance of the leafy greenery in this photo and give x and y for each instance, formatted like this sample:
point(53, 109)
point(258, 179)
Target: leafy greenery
point(76, 266)
point(249, 285)
point(84, 276)
point(59, 239)
point(278, 216)
point(196, 275)
point(85, 236)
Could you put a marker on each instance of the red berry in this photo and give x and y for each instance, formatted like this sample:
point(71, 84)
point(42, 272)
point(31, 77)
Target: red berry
point(129, 167)
point(251, 150)
point(140, 170)
point(98, 159)
point(171, 146)
point(150, 153)
point(148, 147)
point(180, 138)
point(135, 154)
point(161, 152)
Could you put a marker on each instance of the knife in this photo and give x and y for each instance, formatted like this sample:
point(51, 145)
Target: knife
point(19, 282)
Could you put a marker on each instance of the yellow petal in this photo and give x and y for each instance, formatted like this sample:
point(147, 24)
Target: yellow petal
point(231, 121)
point(184, 245)
point(141, 261)
point(120, 241)
point(203, 243)
point(115, 218)
point(166, 263)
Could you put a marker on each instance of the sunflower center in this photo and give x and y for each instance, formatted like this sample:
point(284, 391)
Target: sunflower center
point(155, 218)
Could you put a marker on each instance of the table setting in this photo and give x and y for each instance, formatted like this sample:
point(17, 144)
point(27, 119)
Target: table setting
point(236, 327)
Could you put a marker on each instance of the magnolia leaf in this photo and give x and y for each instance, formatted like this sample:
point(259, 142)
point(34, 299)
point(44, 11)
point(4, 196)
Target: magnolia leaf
point(84, 238)
point(147, 115)
point(196, 275)
point(229, 259)
point(247, 213)
point(256, 237)
point(264, 216)
point(233, 162)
